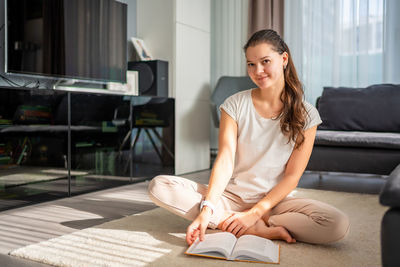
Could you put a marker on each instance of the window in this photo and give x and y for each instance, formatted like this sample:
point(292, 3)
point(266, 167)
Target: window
point(348, 43)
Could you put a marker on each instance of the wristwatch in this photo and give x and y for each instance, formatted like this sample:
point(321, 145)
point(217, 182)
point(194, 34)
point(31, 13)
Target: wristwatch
point(208, 204)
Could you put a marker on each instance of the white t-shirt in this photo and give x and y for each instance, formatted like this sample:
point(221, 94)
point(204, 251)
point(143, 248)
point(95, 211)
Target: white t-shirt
point(262, 150)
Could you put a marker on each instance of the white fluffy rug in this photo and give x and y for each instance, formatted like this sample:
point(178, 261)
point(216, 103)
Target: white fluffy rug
point(156, 238)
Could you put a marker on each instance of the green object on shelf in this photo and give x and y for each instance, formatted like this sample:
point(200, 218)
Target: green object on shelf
point(105, 161)
point(4, 159)
point(5, 122)
point(109, 127)
point(21, 155)
point(84, 144)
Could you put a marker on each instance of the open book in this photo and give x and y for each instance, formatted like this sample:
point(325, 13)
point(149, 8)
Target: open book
point(225, 245)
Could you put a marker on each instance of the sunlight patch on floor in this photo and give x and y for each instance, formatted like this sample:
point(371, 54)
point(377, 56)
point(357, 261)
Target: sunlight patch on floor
point(94, 246)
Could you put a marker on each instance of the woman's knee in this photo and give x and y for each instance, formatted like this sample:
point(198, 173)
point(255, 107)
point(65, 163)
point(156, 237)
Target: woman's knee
point(337, 228)
point(169, 189)
point(158, 185)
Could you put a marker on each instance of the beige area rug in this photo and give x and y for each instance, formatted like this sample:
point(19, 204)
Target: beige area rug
point(157, 238)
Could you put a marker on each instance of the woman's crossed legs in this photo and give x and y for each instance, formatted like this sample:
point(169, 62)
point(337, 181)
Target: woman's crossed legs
point(291, 219)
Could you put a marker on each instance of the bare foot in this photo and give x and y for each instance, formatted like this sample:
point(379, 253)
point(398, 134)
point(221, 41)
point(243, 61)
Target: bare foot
point(276, 232)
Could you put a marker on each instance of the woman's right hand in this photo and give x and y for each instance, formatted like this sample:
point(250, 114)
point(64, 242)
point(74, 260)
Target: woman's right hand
point(198, 226)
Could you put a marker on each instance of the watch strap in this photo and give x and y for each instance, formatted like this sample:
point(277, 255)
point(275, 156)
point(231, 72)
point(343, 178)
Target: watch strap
point(208, 204)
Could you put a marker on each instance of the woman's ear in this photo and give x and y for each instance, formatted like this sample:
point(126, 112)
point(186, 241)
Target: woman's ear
point(285, 57)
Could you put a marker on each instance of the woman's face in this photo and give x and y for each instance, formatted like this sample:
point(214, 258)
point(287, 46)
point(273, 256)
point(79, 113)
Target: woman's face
point(265, 65)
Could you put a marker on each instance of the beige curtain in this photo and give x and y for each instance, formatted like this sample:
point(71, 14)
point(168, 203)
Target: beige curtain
point(265, 14)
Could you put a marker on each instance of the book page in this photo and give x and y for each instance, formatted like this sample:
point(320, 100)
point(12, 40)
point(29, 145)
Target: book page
point(222, 243)
point(251, 247)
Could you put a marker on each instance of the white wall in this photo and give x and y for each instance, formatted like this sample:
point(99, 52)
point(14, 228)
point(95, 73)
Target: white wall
point(155, 25)
point(179, 31)
point(192, 75)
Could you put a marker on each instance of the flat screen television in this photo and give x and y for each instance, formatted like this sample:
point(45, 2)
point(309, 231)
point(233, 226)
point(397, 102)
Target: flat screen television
point(67, 39)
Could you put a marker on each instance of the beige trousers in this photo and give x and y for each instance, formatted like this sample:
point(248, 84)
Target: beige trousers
point(306, 220)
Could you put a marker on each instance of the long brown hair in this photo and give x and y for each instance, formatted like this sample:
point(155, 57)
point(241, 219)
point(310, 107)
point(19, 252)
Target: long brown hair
point(293, 116)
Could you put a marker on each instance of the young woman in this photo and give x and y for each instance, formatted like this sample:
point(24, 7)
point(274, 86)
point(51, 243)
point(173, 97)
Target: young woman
point(265, 141)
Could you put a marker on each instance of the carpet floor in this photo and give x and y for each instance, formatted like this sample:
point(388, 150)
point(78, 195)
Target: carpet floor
point(157, 238)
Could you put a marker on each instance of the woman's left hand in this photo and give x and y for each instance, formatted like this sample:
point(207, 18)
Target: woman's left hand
point(239, 222)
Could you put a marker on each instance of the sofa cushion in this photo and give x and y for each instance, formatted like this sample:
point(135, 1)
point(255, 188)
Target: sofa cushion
point(227, 86)
point(374, 108)
point(390, 194)
point(358, 139)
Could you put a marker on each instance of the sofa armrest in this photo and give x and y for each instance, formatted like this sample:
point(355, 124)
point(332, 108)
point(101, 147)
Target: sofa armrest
point(390, 193)
point(214, 114)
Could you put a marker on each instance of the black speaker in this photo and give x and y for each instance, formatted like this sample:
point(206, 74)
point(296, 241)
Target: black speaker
point(153, 77)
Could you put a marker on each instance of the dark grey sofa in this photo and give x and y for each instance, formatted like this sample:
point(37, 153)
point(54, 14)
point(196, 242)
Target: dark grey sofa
point(227, 86)
point(360, 132)
point(390, 234)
